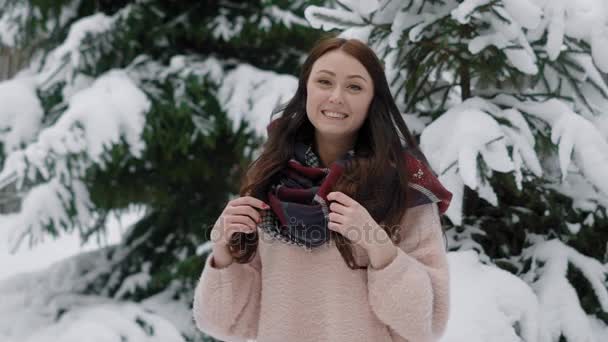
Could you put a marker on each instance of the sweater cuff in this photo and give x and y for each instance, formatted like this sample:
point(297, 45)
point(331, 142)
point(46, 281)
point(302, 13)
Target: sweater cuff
point(389, 274)
point(221, 277)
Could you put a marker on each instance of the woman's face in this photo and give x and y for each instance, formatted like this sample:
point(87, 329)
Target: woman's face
point(340, 91)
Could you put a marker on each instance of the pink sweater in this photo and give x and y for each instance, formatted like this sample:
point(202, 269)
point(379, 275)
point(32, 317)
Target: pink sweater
point(288, 294)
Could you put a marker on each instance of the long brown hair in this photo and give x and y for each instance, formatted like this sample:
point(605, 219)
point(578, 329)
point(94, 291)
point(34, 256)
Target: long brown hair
point(378, 149)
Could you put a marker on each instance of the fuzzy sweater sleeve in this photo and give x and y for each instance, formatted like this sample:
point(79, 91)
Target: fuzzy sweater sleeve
point(411, 294)
point(227, 300)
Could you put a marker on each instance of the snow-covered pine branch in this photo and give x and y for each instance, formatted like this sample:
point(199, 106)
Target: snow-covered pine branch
point(493, 301)
point(110, 111)
point(17, 14)
point(490, 84)
point(104, 112)
point(452, 146)
point(516, 28)
point(46, 304)
point(559, 303)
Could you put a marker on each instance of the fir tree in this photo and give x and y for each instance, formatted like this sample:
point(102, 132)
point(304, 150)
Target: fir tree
point(153, 104)
point(509, 102)
point(507, 97)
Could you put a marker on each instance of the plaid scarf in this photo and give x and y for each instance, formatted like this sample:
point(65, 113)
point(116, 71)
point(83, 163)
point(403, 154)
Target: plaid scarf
point(299, 208)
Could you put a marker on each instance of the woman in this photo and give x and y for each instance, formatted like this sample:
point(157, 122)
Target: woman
point(337, 235)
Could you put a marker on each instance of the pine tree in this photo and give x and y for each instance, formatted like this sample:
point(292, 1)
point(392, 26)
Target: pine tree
point(507, 98)
point(153, 104)
point(509, 102)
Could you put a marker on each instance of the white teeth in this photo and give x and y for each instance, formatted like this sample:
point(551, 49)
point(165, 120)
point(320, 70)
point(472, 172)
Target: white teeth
point(334, 115)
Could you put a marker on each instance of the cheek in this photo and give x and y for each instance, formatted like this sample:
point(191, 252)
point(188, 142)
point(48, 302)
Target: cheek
point(361, 106)
point(314, 98)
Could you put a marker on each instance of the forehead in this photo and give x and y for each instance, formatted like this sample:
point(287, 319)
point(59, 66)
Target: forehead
point(340, 63)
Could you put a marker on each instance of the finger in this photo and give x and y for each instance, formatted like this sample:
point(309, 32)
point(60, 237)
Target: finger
point(336, 218)
point(240, 228)
point(333, 226)
point(246, 210)
point(337, 208)
point(248, 200)
point(242, 219)
point(342, 198)
point(223, 236)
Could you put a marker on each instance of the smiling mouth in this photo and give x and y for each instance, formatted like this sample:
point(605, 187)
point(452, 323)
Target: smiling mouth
point(333, 115)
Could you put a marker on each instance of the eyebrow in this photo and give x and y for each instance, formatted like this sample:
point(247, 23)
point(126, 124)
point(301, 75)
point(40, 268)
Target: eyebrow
point(349, 76)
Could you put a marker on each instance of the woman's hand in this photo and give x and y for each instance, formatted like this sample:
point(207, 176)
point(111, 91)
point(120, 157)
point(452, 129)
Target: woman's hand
point(353, 221)
point(240, 215)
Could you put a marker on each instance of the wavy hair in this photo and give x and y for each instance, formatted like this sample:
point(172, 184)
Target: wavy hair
point(379, 147)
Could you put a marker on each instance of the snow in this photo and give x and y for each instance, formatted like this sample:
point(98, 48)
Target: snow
point(106, 111)
point(416, 33)
point(245, 92)
point(40, 256)
point(402, 21)
point(584, 19)
point(543, 304)
point(466, 10)
point(589, 150)
point(523, 143)
point(134, 281)
point(340, 19)
point(41, 206)
point(111, 110)
point(502, 34)
point(250, 94)
point(487, 302)
point(226, 28)
point(66, 58)
point(525, 12)
point(555, 29)
point(285, 17)
point(562, 312)
point(601, 122)
point(15, 13)
point(365, 7)
point(8, 26)
point(55, 315)
point(599, 47)
point(39, 290)
point(584, 195)
point(485, 305)
point(93, 24)
point(452, 145)
point(20, 114)
point(462, 240)
point(574, 228)
point(452, 181)
point(592, 80)
point(108, 322)
point(361, 33)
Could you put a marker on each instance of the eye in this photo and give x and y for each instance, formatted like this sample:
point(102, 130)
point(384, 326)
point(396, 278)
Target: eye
point(323, 81)
point(355, 87)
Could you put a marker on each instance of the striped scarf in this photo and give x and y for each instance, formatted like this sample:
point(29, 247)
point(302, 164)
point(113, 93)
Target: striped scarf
point(299, 208)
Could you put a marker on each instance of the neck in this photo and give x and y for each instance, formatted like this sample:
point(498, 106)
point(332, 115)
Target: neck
point(329, 150)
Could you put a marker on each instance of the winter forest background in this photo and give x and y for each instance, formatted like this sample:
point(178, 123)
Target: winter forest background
point(142, 114)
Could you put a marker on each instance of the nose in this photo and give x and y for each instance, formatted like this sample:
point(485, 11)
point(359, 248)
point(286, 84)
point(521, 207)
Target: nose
point(336, 96)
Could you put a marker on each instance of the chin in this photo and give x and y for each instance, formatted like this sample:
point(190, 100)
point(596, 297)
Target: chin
point(333, 132)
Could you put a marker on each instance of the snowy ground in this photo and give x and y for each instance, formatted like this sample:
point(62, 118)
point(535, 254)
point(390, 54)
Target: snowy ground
point(40, 305)
point(52, 250)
